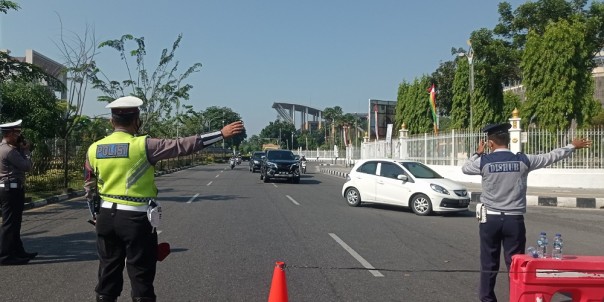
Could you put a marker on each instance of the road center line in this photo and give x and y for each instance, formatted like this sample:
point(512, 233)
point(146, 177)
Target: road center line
point(209, 183)
point(292, 200)
point(274, 185)
point(356, 256)
point(192, 198)
point(217, 176)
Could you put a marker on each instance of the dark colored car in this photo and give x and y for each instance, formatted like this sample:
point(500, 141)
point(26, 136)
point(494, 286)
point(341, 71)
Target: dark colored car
point(255, 160)
point(280, 164)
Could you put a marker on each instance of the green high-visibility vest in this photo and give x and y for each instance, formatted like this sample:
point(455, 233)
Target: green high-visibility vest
point(124, 175)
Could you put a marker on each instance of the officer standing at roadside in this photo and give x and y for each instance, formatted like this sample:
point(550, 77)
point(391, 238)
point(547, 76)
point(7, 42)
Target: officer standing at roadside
point(15, 160)
point(120, 169)
point(504, 181)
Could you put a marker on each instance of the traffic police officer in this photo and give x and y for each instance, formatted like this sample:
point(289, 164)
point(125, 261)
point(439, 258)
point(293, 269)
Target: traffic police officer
point(504, 181)
point(120, 169)
point(15, 160)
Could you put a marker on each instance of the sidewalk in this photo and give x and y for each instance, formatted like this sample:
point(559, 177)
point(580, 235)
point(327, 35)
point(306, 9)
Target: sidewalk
point(536, 196)
point(54, 199)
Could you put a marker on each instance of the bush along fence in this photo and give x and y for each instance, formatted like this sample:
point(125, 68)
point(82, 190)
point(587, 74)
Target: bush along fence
point(53, 173)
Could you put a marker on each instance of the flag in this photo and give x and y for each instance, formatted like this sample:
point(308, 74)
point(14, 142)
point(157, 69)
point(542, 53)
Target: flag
point(432, 100)
point(375, 109)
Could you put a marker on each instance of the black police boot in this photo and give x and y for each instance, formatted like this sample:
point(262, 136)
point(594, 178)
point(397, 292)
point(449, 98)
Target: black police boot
point(102, 298)
point(143, 299)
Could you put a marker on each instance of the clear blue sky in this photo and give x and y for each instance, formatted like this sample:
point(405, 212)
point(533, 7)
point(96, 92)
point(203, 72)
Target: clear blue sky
point(319, 53)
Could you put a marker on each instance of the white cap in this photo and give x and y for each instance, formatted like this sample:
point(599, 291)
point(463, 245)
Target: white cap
point(126, 104)
point(11, 126)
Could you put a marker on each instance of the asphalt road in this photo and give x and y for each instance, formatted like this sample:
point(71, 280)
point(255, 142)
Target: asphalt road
point(227, 229)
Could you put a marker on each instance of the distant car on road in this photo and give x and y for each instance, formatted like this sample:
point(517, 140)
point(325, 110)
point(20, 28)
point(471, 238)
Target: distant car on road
point(404, 183)
point(280, 164)
point(255, 160)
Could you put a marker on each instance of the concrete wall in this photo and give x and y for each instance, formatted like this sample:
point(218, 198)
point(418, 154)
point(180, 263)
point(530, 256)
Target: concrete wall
point(556, 178)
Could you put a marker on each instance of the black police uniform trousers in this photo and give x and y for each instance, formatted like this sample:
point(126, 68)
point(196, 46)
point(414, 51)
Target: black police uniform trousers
point(125, 236)
point(12, 202)
point(506, 230)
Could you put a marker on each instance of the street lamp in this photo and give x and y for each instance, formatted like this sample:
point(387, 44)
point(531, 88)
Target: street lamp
point(470, 56)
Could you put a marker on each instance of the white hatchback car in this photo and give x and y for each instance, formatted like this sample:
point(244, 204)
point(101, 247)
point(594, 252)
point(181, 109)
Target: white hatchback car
point(404, 183)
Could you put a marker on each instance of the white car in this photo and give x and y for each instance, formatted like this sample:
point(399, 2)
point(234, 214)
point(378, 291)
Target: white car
point(404, 183)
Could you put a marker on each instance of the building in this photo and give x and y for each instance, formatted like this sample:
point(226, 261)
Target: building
point(49, 66)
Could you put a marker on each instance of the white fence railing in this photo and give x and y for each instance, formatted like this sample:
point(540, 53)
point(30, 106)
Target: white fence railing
point(454, 147)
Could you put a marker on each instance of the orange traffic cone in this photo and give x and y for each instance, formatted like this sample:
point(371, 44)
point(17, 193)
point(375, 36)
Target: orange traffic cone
point(278, 291)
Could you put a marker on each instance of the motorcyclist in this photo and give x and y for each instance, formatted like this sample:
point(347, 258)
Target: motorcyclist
point(303, 163)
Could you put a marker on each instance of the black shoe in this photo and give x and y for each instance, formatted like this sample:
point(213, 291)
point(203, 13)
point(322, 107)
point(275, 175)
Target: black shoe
point(29, 256)
point(15, 261)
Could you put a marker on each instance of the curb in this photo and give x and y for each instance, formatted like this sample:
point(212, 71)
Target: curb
point(58, 198)
point(531, 200)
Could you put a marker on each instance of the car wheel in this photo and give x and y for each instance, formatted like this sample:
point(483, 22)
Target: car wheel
point(266, 179)
point(261, 175)
point(353, 197)
point(421, 205)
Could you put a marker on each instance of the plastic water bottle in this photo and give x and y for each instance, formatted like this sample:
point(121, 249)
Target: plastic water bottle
point(557, 247)
point(542, 243)
point(531, 251)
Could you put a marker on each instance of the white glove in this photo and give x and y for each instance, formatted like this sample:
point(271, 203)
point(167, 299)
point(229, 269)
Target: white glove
point(154, 214)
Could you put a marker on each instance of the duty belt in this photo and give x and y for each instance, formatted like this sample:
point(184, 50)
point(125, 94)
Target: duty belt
point(128, 198)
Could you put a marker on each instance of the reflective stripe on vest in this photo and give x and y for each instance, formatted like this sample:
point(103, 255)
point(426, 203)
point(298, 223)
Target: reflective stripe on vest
point(120, 164)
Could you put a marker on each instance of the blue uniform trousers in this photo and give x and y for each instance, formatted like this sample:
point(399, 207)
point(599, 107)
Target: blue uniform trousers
point(506, 230)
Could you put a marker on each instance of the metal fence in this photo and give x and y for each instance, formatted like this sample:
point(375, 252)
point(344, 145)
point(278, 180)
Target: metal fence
point(453, 147)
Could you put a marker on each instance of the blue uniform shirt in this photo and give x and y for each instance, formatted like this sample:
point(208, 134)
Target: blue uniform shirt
point(504, 175)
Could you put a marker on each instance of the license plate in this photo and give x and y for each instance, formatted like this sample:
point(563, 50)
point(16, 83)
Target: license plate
point(464, 202)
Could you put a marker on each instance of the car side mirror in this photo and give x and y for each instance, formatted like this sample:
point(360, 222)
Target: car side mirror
point(402, 177)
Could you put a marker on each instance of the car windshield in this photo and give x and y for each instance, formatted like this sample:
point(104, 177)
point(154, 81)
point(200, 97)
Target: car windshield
point(257, 155)
point(419, 170)
point(280, 155)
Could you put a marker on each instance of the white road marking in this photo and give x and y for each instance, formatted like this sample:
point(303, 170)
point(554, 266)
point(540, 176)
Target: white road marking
point(292, 200)
point(217, 176)
point(158, 232)
point(193, 198)
point(209, 183)
point(274, 185)
point(356, 256)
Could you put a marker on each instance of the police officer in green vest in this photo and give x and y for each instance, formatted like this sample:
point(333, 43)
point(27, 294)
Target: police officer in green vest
point(120, 170)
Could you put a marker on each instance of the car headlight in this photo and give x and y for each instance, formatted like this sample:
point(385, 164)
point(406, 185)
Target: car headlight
point(256, 162)
point(271, 165)
point(439, 189)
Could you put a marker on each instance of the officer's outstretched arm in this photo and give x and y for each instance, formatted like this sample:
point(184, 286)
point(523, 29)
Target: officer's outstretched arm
point(543, 160)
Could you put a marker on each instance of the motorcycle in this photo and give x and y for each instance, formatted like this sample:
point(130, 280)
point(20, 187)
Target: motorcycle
point(232, 163)
point(303, 167)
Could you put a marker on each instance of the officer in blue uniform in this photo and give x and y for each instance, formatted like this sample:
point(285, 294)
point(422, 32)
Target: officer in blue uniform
point(504, 181)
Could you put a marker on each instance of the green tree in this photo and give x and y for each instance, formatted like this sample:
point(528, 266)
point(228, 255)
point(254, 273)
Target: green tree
point(443, 78)
point(557, 75)
point(36, 105)
point(535, 16)
point(333, 115)
point(214, 118)
point(413, 106)
point(161, 89)
point(460, 107)
point(278, 132)
point(6, 5)
point(598, 120)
